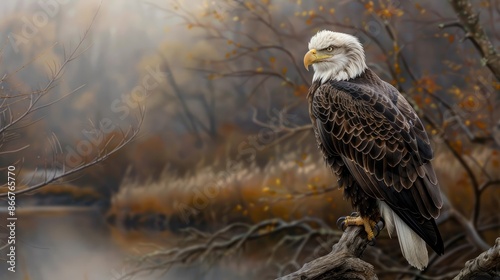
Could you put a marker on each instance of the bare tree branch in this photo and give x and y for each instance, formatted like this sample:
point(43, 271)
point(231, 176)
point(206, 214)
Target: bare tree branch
point(103, 154)
point(232, 238)
point(475, 32)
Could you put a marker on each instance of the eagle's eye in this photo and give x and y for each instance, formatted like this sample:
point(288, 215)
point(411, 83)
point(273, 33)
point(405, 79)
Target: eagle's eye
point(329, 49)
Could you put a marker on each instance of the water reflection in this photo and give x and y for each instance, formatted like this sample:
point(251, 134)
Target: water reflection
point(61, 243)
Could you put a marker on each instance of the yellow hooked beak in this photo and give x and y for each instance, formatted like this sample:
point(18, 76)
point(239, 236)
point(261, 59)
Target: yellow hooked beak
point(312, 57)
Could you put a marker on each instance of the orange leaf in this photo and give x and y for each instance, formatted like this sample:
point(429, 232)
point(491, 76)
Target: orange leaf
point(301, 90)
point(369, 6)
point(481, 124)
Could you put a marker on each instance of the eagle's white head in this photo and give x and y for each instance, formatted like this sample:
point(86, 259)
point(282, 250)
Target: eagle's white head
point(336, 56)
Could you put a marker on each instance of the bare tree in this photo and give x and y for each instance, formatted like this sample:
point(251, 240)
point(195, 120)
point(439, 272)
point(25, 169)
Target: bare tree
point(18, 110)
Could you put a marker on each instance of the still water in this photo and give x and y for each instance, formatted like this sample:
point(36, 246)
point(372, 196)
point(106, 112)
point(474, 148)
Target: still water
point(57, 243)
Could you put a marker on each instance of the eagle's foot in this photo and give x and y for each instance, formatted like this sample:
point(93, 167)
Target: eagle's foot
point(341, 221)
point(369, 225)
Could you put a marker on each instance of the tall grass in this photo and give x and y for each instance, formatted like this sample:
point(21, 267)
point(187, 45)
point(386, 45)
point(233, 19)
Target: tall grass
point(243, 192)
point(290, 186)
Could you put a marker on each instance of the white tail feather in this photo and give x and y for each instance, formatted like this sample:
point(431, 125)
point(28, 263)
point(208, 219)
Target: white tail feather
point(412, 246)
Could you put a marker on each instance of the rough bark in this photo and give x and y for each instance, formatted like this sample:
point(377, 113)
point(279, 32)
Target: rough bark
point(341, 263)
point(485, 266)
point(469, 20)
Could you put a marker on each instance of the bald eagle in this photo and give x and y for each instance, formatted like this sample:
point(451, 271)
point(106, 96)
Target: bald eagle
point(376, 144)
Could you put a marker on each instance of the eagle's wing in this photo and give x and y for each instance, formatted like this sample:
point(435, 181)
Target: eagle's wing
point(383, 144)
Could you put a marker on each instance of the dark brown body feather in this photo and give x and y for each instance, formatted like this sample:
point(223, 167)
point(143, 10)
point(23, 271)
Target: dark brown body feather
point(377, 146)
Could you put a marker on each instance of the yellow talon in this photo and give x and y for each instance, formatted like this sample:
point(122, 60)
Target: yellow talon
point(368, 224)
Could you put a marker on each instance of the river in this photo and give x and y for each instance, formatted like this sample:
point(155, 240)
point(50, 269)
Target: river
point(61, 243)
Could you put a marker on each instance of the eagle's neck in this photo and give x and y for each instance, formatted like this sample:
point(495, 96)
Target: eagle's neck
point(367, 77)
point(343, 67)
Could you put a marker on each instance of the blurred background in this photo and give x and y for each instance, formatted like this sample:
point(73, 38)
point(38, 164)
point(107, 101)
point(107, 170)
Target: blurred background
point(171, 139)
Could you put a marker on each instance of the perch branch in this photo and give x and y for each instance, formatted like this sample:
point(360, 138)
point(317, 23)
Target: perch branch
point(485, 265)
point(343, 261)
